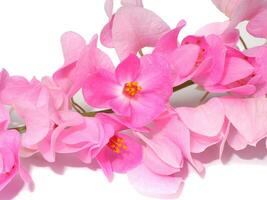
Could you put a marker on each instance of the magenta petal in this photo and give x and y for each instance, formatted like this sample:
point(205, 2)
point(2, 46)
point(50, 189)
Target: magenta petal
point(169, 41)
point(128, 70)
point(100, 89)
point(155, 70)
point(236, 69)
point(105, 164)
point(4, 117)
point(135, 28)
point(149, 183)
point(183, 60)
point(146, 108)
point(129, 158)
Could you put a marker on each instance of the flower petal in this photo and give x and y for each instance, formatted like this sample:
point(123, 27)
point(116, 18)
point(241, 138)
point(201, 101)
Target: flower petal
point(128, 70)
point(149, 183)
point(135, 28)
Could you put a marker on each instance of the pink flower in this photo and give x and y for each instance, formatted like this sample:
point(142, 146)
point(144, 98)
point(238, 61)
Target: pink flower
point(167, 146)
point(118, 32)
point(104, 139)
point(239, 10)
point(137, 90)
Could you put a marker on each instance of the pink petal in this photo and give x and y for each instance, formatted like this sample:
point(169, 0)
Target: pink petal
point(4, 117)
point(121, 105)
point(183, 60)
point(155, 70)
point(100, 89)
point(128, 70)
point(257, 26)
point(162, 156)
point(135, 28)
point(169, 41)
point(236, 69)
point(146, 108)
point(149, 183)
point(171, 126)
point(129, 158)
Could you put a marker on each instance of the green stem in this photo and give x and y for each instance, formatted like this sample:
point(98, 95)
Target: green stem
point(182, 86)
point(243, 42)
point(93, 113)
point(20, 129)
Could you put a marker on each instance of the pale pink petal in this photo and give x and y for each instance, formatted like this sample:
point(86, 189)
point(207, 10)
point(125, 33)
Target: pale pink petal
point(162, 156)
point(226, 6)
point(230, 37)
point(132, 3)
point(257, 26)
point(109, 8)
point(90, 60)
point(106, 34)
point(248, 116)
point(135, 28)
point(206, 119)
point(235, 140)
point(72, 45)
point(149, 183)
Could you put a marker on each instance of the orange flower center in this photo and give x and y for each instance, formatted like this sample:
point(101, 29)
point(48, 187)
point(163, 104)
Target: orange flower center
point(117, 144)
point(131, 89)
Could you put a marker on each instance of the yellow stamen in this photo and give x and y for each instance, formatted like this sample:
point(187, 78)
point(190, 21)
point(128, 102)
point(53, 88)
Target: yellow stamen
point(131, 89)
point(117, 144)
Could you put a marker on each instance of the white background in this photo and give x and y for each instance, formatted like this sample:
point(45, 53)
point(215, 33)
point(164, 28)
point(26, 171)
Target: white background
point(29, 45)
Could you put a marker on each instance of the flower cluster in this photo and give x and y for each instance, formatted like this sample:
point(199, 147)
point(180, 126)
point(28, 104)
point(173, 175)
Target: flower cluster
point(135, 129)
